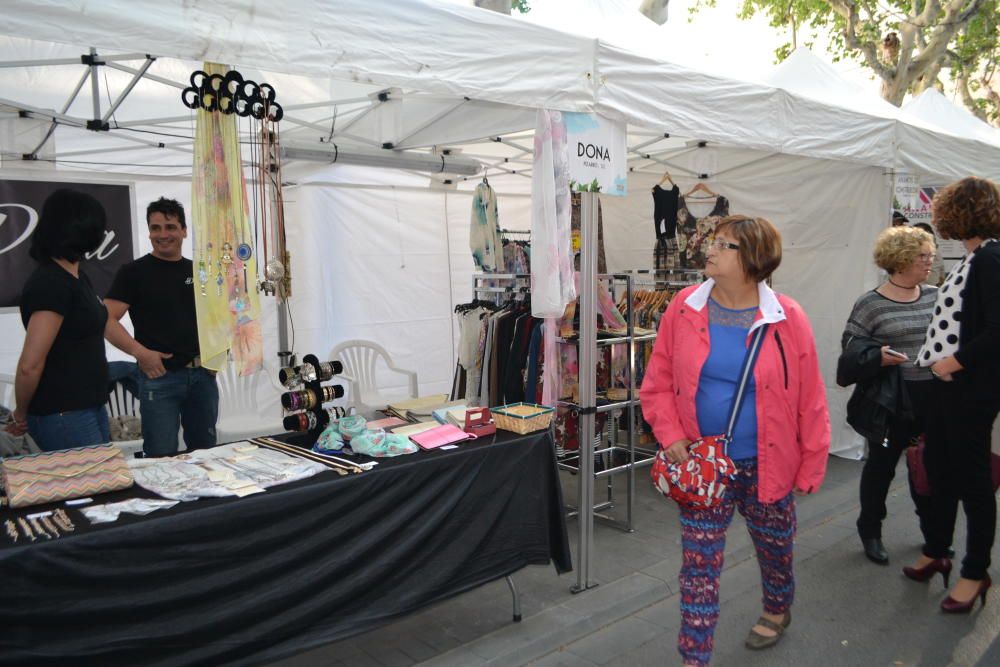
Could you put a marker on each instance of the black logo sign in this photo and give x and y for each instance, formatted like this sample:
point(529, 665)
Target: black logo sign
point(20, 205)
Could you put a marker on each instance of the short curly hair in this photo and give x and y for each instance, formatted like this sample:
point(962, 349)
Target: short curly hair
point(967, 209)
point(897, 248)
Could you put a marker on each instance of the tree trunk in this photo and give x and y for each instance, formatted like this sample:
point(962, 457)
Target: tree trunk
point(502, 6)
point(894, 89)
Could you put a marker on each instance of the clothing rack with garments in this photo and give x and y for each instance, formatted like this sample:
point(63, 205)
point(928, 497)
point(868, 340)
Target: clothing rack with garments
point(516, 244)
point(499, 343)
point(652, 294)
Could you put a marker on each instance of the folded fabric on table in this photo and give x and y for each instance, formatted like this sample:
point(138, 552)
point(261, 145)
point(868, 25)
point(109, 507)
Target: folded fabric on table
point(235, 469)
point(378, 443)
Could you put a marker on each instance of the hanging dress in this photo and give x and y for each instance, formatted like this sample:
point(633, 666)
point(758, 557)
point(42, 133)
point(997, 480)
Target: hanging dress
point(693, 233)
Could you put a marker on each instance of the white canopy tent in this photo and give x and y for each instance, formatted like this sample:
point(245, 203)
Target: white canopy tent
point(379, 254)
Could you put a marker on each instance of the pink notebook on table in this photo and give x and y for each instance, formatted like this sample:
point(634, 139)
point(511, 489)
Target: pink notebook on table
point(445, 434)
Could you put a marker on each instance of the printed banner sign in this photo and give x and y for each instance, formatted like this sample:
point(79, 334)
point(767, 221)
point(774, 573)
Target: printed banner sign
point(20, 207)
point(905, 193)
point(597, 158)
point(914, 201)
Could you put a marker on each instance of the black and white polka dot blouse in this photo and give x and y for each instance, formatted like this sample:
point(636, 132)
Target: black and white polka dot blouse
point(942, 334)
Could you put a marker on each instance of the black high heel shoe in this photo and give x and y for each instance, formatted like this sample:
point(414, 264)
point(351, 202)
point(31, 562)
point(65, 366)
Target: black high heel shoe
point(950, 605)
point(942, 565)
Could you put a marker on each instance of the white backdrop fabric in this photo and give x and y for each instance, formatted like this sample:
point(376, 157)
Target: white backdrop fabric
point(386, 264)
point(828, 213)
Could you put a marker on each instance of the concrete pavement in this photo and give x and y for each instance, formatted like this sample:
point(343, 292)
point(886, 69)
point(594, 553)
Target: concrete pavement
point(848, 611)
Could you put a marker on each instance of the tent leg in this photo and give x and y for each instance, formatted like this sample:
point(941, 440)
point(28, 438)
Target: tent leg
point(588, 387)
point(517, 598)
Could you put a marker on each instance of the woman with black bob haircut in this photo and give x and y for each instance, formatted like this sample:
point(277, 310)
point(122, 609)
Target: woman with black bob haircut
point(61, 384)
point(962, 350)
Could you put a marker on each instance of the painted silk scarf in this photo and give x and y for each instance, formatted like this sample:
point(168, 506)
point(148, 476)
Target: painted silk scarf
point(552, 285)
point(226, 298)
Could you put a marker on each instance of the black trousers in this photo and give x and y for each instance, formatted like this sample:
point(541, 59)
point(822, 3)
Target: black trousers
point(957, 456)
point(880, 466)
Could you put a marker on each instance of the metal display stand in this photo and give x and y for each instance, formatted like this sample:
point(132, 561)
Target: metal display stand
point(611, 454)
point(582, 462)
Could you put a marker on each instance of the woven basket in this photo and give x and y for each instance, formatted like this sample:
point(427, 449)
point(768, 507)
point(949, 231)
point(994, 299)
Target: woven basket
point(522, 417)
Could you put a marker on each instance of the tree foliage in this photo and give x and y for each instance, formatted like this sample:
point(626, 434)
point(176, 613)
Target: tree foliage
point(906, 43)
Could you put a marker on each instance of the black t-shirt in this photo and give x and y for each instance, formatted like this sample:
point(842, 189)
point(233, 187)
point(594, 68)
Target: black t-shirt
point(76, 368)
point(160, 298)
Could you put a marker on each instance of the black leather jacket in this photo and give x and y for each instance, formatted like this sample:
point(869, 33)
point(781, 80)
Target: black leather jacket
point(880, 397)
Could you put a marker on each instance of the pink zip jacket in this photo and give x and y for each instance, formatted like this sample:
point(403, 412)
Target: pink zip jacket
point(793, 423)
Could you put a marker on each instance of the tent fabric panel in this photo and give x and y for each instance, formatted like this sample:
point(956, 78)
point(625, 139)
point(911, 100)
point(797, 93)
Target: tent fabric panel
point(434, 47)
point(934, 154)
point(662, 96)
point(828, 213)
point(814, 129)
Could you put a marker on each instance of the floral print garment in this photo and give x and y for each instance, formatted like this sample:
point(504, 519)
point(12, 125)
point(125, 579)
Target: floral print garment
point(693, 234)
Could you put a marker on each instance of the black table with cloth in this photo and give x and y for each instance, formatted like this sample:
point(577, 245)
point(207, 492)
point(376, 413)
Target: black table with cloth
point(249, 580)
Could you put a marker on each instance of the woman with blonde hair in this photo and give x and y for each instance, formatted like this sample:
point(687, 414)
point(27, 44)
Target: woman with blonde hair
point(880, 343)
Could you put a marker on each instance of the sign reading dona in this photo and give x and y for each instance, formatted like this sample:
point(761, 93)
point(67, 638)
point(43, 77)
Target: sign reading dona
point(597, 159)
point(20, 207)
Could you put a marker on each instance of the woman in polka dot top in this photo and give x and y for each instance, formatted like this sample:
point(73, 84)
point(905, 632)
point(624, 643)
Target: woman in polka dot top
point(962, 350)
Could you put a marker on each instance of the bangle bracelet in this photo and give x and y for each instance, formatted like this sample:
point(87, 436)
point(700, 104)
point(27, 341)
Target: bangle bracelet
point(935, 373)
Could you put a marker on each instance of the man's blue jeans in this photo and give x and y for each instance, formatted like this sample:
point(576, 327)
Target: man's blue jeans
point(65, 430)
point(188, 398)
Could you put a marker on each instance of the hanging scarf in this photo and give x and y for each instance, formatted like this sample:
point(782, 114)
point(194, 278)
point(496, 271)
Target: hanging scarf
point(226, 297)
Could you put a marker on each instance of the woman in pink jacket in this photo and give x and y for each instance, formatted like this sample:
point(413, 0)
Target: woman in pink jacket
point(782, 436)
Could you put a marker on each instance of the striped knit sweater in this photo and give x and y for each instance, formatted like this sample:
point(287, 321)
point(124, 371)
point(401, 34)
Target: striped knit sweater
point(902, 326)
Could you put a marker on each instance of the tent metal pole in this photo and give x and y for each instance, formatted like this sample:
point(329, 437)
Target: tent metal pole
point(128, 89)
point(420, 128)
point(69, 103)
point(588, 387)
point(95, 84)
point(70, 61)
point(150, 77)
point(745, 164)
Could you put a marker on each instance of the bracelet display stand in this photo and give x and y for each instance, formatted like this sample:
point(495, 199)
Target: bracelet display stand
point(320, 415)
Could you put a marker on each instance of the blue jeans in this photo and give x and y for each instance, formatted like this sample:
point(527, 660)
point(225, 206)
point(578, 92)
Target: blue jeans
point(65, 430)
point(185, 397)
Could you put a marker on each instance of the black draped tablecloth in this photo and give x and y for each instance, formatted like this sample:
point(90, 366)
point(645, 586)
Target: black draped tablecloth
point(244, 581)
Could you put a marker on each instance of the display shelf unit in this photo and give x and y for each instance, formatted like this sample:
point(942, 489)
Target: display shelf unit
point(616, 451)
point(614, 456)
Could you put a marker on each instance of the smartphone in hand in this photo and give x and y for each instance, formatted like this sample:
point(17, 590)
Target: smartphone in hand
point(894, 353)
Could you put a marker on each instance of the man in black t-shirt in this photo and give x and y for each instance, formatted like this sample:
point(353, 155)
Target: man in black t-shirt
point(157, 291)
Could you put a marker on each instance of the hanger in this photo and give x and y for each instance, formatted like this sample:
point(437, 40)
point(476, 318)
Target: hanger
point(666, 178)
point(702, 187)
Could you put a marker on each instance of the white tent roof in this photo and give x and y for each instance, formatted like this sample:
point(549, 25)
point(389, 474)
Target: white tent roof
point(805, 73)
point(932, 137)
point(933, 111)
point(462, 71)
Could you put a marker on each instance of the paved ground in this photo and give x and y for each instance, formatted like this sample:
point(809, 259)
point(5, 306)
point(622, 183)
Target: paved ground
point(848, 611)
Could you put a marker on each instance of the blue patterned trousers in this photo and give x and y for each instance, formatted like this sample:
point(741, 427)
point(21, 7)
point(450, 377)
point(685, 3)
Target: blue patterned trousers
point(703, 537)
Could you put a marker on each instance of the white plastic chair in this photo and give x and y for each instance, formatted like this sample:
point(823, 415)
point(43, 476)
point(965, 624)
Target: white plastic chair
point(13, 446)
point(7, 390)
point(361, 360)
point(240, 417)
point(123, 402)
